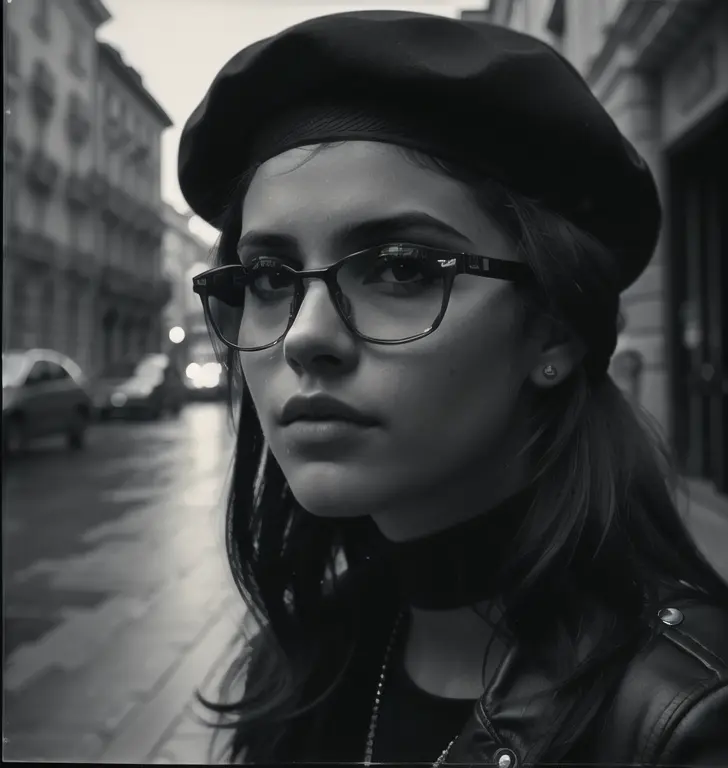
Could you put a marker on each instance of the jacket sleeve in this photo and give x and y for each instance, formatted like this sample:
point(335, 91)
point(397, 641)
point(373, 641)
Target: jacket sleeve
point(700, 736)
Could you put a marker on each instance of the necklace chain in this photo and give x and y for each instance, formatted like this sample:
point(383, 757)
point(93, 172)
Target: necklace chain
point(369, 751)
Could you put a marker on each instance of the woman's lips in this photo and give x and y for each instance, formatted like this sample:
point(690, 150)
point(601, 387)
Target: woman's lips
point(320, 407)
point(327, 433)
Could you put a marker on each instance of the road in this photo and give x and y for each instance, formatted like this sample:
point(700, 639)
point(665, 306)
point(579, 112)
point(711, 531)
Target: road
point(115, 572)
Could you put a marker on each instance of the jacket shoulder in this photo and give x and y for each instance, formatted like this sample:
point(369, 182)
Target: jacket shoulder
point(671, 707)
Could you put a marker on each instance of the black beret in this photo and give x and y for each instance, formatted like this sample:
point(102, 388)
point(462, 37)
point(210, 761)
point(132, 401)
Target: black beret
point(503, 102)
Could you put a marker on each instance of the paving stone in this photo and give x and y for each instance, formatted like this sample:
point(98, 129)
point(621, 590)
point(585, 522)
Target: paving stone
point(53, 747)
point(154, 721)
point(77, 639)
point(186, 750)
point(137, 667)
point(59, 700)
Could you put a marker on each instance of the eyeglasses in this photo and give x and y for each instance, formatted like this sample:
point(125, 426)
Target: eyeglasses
point(390, 294)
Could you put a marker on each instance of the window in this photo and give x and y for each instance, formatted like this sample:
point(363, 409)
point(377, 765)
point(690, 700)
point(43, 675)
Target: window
point(76, 54)
point(556, 23)
point(57, 372)
point(39, 373)
point(41, 20)
point(12, 62)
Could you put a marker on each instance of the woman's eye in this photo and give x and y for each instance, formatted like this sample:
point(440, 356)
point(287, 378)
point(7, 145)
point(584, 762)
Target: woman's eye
point(401, 266)
point(401, 271)
point(269, 279)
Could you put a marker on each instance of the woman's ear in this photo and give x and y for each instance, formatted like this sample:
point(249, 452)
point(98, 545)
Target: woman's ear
point(558, 353)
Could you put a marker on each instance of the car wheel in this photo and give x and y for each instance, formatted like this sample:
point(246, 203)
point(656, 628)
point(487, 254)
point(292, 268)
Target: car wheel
point(77, 434)
point(14, 436)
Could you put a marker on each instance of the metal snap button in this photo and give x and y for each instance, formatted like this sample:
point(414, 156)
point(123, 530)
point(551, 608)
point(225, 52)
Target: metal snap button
point(506, 758)
point(670, 616)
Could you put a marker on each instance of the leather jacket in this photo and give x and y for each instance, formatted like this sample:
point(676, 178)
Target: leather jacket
point(670, 708)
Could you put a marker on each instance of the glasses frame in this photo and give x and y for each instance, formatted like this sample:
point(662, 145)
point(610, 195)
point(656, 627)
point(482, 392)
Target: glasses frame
point(453, 263)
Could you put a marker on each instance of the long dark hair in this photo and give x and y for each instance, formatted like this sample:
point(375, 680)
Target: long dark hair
point(606, 489)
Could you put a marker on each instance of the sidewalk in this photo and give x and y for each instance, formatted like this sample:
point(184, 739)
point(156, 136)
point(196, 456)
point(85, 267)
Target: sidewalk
point(129, 696)
point(166, 727)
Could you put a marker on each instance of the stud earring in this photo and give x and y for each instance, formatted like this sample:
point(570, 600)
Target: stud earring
point(550, 372)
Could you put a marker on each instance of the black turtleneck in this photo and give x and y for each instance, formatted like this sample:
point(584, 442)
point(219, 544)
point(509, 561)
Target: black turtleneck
point(452, 568)
point(459, 565)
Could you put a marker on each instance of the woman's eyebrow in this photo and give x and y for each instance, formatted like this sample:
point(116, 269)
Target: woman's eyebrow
point(353, 234)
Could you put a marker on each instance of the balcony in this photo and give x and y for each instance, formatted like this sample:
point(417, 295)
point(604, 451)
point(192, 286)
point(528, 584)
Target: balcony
point(42, 172)
point(82, 265)
point(122, 282)
point(116, 134)
point(78, 123)
point(139, 152)
point(155, 292)
point(116, 280)
point(32, 246)
point(79, 191)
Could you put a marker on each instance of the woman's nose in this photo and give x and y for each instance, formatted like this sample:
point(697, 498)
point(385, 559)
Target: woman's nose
point(318, 340)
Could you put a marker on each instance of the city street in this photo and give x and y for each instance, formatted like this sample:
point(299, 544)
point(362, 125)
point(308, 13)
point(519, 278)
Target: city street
point(114, 573)
point(118, 602)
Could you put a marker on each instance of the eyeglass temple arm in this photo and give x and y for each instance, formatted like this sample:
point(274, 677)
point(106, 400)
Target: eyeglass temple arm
point(500, 269)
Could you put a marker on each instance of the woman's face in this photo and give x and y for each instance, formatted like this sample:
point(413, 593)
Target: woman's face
point(444, 406)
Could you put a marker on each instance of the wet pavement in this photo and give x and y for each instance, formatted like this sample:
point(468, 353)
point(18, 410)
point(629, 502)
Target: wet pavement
point(114, 574)
point(118, 602)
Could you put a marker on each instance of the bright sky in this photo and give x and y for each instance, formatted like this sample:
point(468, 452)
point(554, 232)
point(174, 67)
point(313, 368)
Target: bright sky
point(179, 45)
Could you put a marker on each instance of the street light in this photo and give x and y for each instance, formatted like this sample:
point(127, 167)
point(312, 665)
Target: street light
point(177, 335)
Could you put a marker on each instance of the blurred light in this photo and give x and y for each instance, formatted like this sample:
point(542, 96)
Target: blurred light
point(118, 399)
point(206, 376)
point(177, 335)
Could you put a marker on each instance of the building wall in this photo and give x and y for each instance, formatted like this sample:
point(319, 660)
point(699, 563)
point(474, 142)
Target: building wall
point(184, 254)
point(128, 139)
point(64, 269)
point(611, 43)
point(43, 307)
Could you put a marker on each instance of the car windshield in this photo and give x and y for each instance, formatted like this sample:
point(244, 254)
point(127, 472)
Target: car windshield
point(149, 367)
point(13, 369)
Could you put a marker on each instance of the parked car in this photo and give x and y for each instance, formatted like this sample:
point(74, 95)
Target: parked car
point(44, 393)
point(149, 387)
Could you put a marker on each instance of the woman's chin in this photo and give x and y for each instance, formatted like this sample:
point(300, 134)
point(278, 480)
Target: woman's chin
point(331, 491)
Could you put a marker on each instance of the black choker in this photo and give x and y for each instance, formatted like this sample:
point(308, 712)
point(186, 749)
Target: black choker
point(460, 565)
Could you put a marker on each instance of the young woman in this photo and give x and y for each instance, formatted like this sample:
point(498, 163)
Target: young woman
point(456, 540)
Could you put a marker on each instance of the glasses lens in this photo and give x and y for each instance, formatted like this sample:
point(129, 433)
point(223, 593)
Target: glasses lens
point(251, 310)
point(393, 292)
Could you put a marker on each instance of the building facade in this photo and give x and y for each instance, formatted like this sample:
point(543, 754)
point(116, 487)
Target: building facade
point(132, 289)
point(61, 275)
point(661, 71)
point(185, 255)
